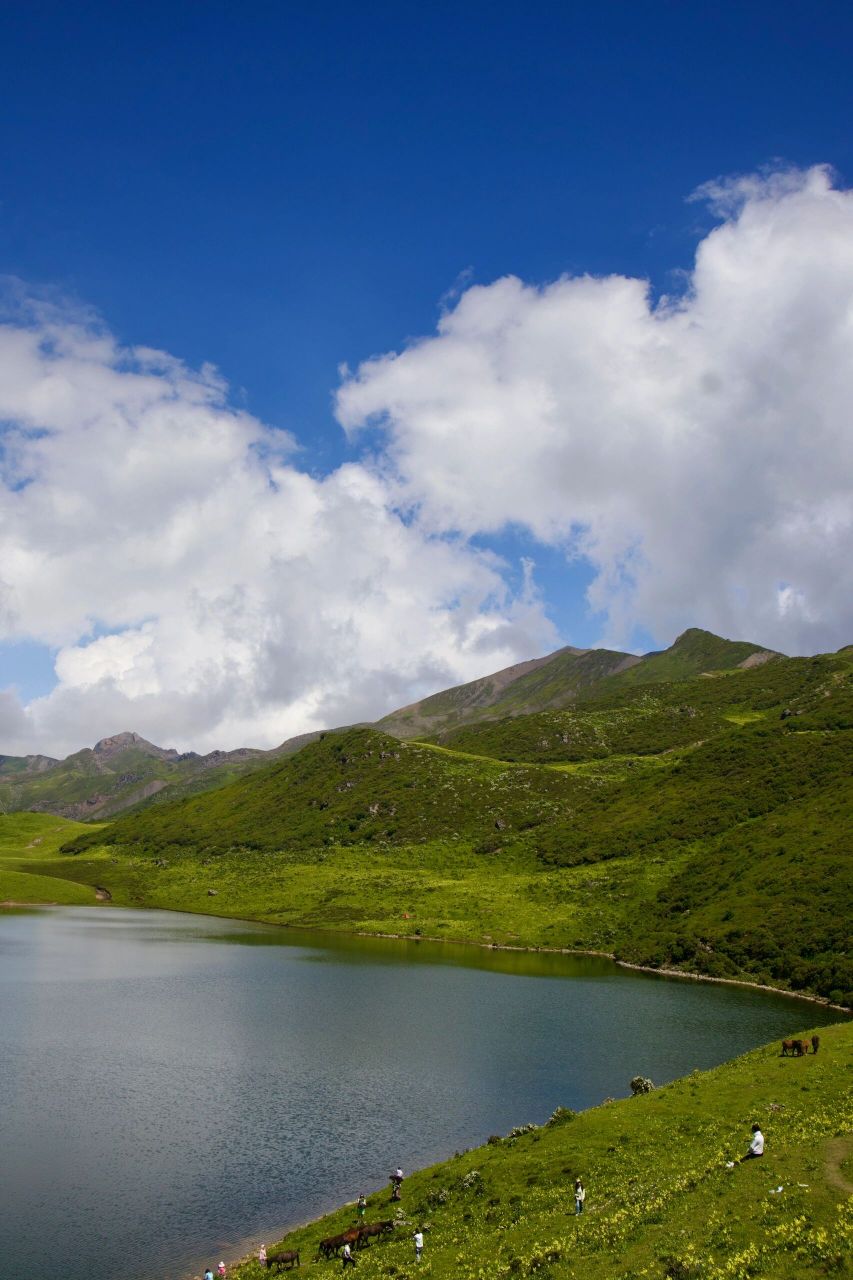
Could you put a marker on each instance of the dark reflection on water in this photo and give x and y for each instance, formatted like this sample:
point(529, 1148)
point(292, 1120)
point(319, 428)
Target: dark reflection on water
point(171, 1084)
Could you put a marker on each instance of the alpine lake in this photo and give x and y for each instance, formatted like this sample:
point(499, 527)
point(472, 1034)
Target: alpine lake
point(177, 1089)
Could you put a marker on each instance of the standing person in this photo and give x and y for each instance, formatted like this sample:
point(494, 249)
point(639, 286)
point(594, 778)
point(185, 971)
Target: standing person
point(397, 1182)
point(262, 1255)
point(208, 1274)
point(361, 1207)
point(418, 1238)
point(347, 1260)
point(580, 1196)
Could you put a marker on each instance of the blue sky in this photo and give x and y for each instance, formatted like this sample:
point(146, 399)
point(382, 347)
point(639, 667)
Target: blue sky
point(282, 189)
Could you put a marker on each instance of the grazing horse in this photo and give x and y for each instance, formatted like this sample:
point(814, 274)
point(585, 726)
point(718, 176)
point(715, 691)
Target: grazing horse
point(372, 1229)
point(330, 1246)
point(289, 1258)
point(794, 1048)
point(815, 1043)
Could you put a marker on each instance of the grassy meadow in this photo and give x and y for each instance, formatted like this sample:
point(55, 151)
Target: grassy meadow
point(661, 1202)
point(31, 867)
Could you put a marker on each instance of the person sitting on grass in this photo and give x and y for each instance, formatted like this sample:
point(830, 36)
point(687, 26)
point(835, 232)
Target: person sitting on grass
point(756, 1148)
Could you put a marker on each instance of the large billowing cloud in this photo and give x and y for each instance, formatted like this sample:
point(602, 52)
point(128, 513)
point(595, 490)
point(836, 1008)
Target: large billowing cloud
point(698, 449)
point(199, 586)
point(204, 590)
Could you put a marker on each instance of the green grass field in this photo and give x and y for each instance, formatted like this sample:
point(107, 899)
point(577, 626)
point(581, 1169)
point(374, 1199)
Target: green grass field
point(435, 890)
point(660, 1201)
point(31, 870)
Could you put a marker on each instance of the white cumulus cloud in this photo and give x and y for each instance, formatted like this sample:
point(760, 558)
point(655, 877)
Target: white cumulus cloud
point(696, 449)
point(199, 587)
point(202, 589)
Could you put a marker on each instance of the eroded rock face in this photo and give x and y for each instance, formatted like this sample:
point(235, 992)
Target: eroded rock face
point(758, 659)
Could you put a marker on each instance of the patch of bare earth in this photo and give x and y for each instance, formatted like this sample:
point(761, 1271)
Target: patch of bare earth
point(837, 1151)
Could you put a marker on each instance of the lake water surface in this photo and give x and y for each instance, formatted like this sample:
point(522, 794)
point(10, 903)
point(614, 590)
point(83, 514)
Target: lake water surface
point(174, 1088)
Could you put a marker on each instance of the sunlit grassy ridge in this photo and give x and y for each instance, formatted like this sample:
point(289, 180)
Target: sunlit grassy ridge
point(357, 786)
point(617, 717)
point(702, 825)
point(660, 1200)
point(564, 677)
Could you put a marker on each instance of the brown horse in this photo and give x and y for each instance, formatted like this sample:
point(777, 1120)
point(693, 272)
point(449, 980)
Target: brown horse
point(815, 1043)
point(373, 1230)
point(330, 1246)
point(794, 1048)
point(289, 1258)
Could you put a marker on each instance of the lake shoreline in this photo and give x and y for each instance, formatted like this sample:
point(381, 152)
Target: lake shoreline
point(607, 955)
point(306, 1126)
point(554, 951)
point(471, 942)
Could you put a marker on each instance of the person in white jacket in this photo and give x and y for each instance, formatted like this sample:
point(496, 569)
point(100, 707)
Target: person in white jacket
point(580, 1196)
point(756, 1147)
point(418, 1238)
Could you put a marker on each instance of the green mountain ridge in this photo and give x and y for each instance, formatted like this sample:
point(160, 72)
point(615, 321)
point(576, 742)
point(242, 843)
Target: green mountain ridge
point(122, 773)
point(566, 676)
point(700, 823)
point(125, 773)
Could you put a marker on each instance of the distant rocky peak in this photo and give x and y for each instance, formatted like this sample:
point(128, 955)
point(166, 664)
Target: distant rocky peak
point(124, 741)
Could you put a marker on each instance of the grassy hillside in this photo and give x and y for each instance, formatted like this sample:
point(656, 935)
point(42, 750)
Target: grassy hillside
point(692, 653)
point(550, 681)
point(125, 773)
point(564, 677)
point(702, 825)
point(660, 1201)
point(29, 842)
point(647, 719)
point(358, 786)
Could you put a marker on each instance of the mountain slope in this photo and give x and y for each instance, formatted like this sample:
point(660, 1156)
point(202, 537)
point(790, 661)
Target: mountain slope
point(356, 786)
point(528, 686)
point(123, 773)
point(661, 1202)
point(619, 717)
point(568, 676)
point(726, 855)
point(693, 653)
